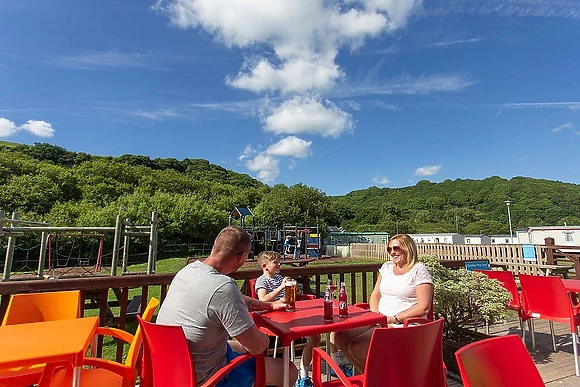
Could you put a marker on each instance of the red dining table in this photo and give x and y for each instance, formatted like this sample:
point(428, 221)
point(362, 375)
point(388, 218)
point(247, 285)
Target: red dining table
point(307, 320)
point(572, 285)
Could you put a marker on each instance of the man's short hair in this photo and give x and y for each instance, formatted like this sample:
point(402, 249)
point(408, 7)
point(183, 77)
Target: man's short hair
point(230, 241)
point(268, 256)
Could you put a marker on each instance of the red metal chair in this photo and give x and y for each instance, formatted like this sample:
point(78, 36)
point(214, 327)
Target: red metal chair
point(167, 361)
point(497, 362)
point(509, 283)
point(546, 298)
point(421, 347)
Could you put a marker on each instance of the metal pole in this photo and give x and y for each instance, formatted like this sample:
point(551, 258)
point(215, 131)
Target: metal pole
point(9, 253)
point(42, 255)
point(152, 245)
point(508, 203)
point(125, 253)
point(119, 226)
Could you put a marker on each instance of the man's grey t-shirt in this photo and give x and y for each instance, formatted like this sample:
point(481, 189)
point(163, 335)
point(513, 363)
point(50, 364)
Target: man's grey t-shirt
point(210, 308)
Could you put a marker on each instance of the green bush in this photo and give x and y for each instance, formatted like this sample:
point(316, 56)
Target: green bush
point(465, 298)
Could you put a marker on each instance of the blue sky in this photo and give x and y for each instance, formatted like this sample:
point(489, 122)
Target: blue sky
point(340, 95)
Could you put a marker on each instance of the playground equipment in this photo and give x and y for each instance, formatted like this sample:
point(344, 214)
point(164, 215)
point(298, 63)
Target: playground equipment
point(300, 242)
point(296, 241)
point(73, 236)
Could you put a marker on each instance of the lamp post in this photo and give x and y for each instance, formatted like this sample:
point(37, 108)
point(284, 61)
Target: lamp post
point(508, 203)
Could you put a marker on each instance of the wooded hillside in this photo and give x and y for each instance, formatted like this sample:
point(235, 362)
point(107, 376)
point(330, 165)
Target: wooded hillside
point(194, 197)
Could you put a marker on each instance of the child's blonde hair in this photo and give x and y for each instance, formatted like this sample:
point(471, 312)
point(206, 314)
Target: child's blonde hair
point(268, 256)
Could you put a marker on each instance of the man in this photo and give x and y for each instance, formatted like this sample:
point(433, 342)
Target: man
point(207, 303)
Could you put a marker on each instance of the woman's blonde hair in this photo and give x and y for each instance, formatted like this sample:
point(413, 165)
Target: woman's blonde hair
point(409, 247)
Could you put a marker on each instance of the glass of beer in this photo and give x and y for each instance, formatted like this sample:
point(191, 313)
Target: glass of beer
point(290, 295)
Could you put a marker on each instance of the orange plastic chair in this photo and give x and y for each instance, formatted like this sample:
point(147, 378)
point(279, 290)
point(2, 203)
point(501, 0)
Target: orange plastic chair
point(38, 307)
point(497, 362)
point(167, 361)
point(509, 283)
point(46, 374)
point(420, 345)
point(546, 298)
point(31, 308)
point(108, 372)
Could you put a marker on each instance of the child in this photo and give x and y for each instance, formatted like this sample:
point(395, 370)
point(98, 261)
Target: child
point(270, 287)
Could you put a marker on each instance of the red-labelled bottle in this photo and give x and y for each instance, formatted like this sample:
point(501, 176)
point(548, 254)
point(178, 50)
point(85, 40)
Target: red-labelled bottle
point(327, 305)
point(342, 302)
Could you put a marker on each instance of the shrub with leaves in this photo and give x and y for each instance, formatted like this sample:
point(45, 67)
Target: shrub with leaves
point(465, 298)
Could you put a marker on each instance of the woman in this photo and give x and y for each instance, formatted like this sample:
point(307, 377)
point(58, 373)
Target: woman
point(404, 289)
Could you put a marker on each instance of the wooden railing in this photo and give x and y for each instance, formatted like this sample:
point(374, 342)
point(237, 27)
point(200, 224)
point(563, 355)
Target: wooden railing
point(96, 290)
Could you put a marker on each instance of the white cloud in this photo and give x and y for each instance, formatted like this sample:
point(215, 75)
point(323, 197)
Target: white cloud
point(247, 153)
point(428, 170)
point(405, 84)
point(380, 180)
point(109, 60)
point(567, 125)
point(7, 127)
point(266, 166)
point(305, 35)
point(266, 163)
point(37, 128)
point(297, 75)
point(572, 105)
point(534, 8)
point(291, 146)
point(308, 116)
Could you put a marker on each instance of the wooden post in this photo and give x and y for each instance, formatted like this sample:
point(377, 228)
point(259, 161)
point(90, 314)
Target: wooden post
point(549, 251)
point(42, 255)
point(116, 244)
point(125, 253)
point(9, 253)
point(152, 245)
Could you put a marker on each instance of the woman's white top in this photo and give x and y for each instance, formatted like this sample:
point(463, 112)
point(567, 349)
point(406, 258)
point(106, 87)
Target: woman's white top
point(398, 292)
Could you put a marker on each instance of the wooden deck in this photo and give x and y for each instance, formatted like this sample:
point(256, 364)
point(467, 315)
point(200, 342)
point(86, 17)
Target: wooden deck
point(556, 368)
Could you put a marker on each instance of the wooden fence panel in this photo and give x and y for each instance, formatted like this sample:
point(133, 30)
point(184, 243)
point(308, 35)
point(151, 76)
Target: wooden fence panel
point(510, 255)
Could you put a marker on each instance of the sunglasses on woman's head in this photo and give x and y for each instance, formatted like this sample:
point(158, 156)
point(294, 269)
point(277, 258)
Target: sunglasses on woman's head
point(394, 249)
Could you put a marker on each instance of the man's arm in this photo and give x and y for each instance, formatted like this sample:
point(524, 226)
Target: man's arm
point(253, 340)
point(257, 305)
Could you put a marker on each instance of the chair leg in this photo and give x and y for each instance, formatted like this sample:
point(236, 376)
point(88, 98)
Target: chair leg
point(523, 329)
point(552, 332)
point(275, 346)
point(575, 346)
point(292, 354)
point(531, 324)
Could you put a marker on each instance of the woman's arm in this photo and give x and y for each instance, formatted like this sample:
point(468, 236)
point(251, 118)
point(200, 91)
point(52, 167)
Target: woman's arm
point(421, 308)
point(376, 295)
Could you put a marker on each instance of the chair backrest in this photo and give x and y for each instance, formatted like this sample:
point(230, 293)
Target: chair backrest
point(420, 347)
point(135, 347)
point(508, 282)
point(39, 307)
point(252, 285)
point(165, 347)
point(545, 297)
point(499, 362)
